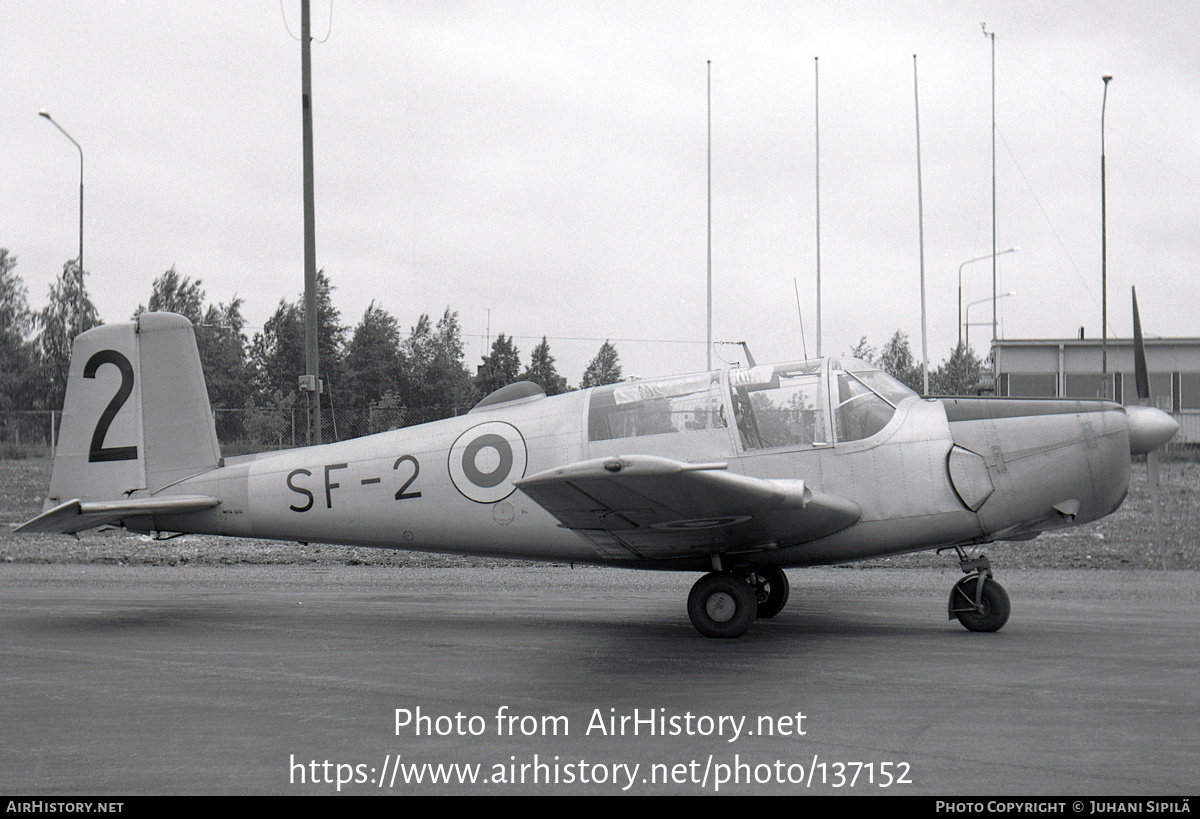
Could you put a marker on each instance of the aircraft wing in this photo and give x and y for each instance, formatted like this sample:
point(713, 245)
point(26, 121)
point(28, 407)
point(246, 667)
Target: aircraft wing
point(643, 506)
point(76, 516)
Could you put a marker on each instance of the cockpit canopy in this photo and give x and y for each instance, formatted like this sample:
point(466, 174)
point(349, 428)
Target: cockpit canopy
point(804, 404)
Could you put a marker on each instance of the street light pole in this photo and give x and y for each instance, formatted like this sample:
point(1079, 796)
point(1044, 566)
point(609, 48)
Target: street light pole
point(1103, 250)
point(992, 36)
point(311, 382)
point(960, 269)
point(993, 300)
point(46, 114)
point(708, 337)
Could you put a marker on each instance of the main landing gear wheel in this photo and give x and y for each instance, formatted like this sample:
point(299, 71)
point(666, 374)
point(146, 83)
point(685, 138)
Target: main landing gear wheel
point(771, 588)
point(985, 609)
point(722, 604)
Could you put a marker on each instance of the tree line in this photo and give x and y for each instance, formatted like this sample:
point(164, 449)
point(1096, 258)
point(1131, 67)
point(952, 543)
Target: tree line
point(372, 365)
point(960, 374)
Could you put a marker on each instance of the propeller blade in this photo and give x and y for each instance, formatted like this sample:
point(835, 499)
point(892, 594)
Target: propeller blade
point(1159, 436)
point(1141, 375)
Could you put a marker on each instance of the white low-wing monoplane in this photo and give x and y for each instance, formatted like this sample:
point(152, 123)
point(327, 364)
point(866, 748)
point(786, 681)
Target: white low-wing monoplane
point(736, 473)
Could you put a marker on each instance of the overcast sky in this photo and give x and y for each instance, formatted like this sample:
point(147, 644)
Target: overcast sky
point(546, 162)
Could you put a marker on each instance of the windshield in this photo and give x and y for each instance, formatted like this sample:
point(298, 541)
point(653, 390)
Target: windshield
point(866, 399)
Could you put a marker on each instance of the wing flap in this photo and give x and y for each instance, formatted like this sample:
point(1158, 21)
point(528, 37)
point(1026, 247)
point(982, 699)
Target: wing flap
point(645, 506)
point(76, 516)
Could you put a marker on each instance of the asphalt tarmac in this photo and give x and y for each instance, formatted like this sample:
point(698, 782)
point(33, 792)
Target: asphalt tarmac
point(282, 680)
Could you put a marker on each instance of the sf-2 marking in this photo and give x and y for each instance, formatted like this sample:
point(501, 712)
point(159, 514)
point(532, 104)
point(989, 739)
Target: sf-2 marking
point(330, 484)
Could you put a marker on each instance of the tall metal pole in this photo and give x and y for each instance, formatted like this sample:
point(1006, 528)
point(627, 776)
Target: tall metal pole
point(1103, 250)
point(708, 345)
point(46, 114)
point(921, 236)
point(312, 368)
point(992, 35)
point(817, 128)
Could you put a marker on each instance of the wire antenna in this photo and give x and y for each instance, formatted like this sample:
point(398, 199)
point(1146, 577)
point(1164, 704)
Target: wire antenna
point(287, 28)
point(799, 312)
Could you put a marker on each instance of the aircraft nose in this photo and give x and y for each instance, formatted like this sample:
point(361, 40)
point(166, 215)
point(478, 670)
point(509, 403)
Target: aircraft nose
point(1149, 428)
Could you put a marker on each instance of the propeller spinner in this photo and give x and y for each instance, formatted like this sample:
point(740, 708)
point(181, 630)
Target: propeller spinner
point(1149, 427)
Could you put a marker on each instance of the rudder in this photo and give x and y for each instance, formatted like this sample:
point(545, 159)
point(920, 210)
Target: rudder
point(136, 414)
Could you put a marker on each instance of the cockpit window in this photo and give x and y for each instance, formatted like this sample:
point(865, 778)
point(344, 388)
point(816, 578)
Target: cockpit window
point(779, 406)
point(884, 385)
point(867, 399)
point(635, 408)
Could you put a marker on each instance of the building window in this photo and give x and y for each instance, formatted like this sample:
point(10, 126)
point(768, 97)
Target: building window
point(1161, 391)
point(1032, 385)
point(1189, 391)
point(1085, 385)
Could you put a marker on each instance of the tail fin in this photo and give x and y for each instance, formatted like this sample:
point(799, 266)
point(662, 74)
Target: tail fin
point(136, 415)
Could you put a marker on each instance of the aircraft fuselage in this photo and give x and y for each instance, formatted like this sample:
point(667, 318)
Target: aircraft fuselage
point(941, 472)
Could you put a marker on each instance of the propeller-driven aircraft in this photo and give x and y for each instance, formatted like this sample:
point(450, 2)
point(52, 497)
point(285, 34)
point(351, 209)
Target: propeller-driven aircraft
point(738, 473)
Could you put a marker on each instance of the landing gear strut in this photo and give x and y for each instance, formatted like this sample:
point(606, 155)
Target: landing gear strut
point(771, 587)
point(978, 601)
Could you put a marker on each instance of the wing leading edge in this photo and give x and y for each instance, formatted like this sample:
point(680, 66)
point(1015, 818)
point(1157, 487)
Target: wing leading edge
point(648, 507)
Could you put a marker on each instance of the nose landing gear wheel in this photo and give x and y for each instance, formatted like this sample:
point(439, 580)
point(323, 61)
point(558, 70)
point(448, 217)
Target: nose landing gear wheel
point(980, 610)
point(721, 604)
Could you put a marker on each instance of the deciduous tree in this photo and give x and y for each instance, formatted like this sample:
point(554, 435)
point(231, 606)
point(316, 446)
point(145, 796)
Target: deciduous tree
point(896, 359)
point(604, 368)
point(542, 372)
point(500, 368)
point(278, 352)
point(958, 375)
point(224, 355)
point(17, 364)
point(69, 312)
point(373, 363)
point(172, 294)
point(435, 375)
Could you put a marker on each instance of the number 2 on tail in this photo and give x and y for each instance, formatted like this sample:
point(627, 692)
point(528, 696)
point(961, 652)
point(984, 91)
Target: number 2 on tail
point(97, 451)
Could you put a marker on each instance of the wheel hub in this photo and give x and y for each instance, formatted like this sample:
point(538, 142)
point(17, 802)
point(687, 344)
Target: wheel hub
point(720, 607)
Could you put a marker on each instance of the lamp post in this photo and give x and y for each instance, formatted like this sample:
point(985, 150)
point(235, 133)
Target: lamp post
point(46, 114)
point(1103, 249)
point(981, 301)
point(960, 269)
point(992, 36)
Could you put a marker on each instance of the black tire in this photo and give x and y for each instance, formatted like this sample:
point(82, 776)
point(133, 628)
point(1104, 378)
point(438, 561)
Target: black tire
point(772, 590)
point(722, 604)
point(994, 604)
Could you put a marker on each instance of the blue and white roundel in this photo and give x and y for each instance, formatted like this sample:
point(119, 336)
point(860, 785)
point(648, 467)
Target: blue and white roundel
point(486, 459)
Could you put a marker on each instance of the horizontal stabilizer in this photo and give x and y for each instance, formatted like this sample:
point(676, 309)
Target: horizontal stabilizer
point(77, 516)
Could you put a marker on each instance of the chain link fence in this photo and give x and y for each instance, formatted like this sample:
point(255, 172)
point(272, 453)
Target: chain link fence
point(257, 429)
point(28, 432)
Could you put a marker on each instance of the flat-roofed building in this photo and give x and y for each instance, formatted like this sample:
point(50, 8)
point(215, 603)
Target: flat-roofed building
point(1073, 368)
